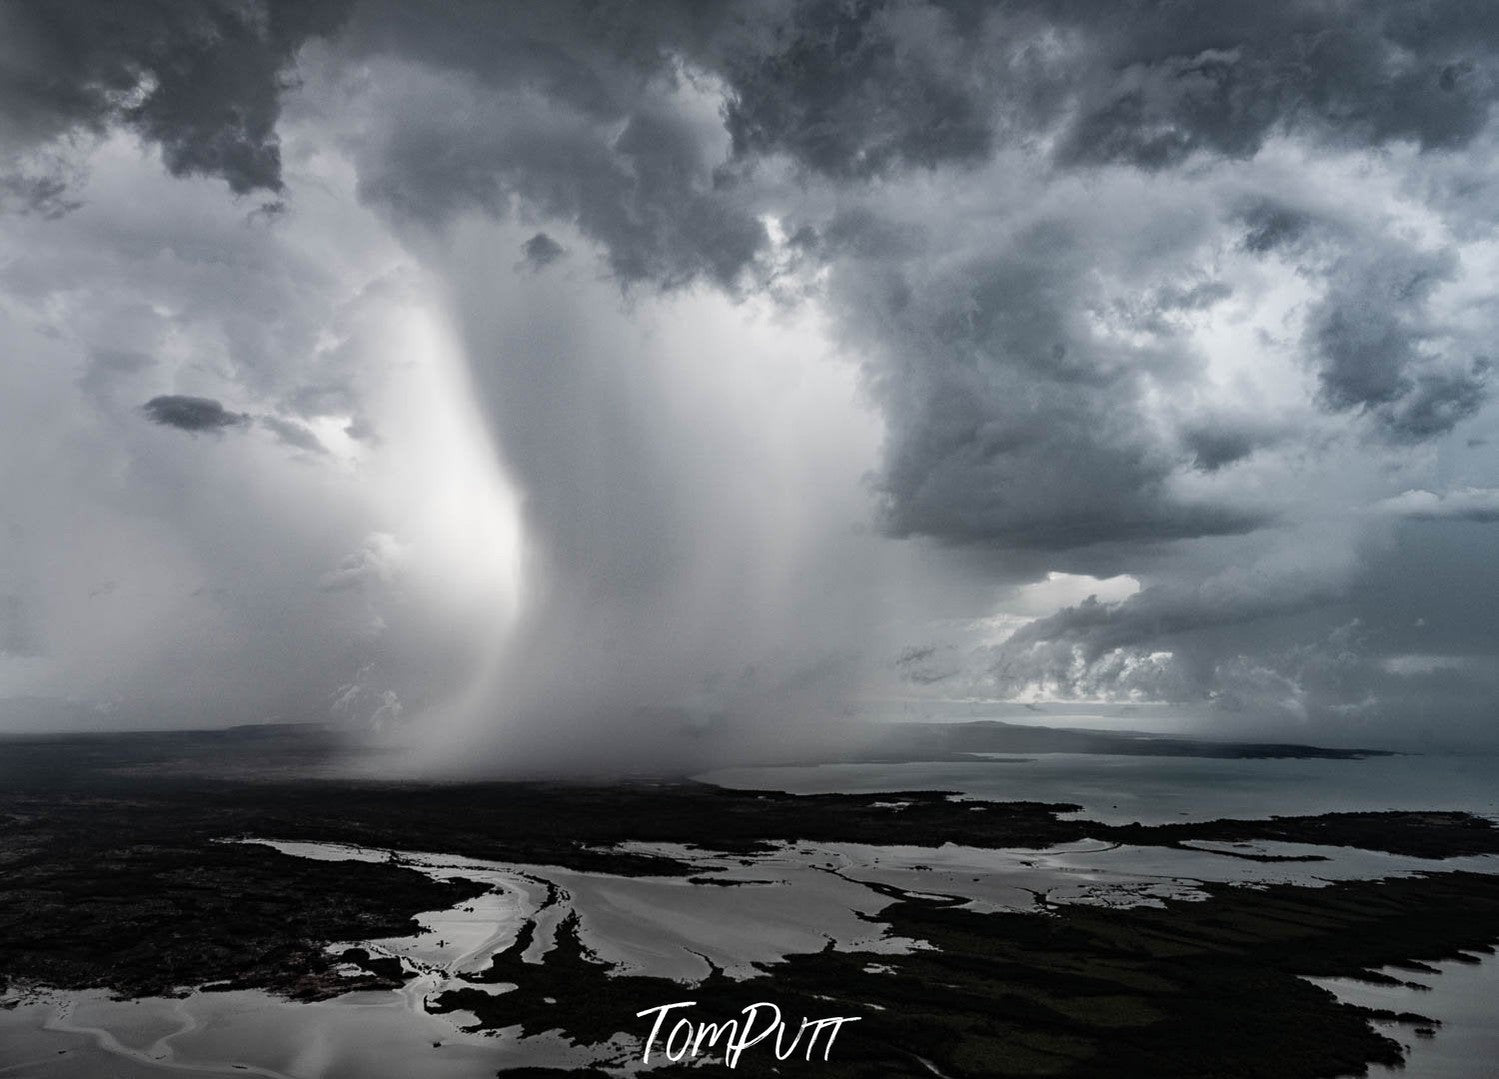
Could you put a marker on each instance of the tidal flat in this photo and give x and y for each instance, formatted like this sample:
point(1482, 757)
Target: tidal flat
point(167, 907)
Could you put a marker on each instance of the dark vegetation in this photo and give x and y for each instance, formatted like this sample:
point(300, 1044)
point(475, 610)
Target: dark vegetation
point(1197, 988)
point(94, 896)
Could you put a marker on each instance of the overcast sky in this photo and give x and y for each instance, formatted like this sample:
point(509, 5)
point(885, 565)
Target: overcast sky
point(588, 377)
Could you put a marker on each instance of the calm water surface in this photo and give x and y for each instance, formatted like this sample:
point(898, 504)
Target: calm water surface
point(1158, 790)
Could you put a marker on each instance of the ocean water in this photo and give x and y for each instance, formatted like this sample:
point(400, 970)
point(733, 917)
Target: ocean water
point(1120, 789)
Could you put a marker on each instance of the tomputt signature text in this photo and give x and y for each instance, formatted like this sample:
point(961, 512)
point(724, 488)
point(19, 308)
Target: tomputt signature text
point(759, 1022)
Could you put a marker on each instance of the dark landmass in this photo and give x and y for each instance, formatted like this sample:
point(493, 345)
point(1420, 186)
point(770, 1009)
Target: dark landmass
point(276, 752)
point(58, 762)
point(964, 741)
point(114, 873)
point(92, 902)
point(1420, 835)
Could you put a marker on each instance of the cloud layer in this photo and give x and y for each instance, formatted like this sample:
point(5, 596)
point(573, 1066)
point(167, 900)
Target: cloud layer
point(1198, 295)
point(188, 413)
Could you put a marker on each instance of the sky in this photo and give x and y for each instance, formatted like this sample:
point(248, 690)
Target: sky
point(625, 381)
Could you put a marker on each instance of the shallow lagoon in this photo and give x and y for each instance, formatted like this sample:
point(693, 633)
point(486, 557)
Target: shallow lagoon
point(1464, 998)
point(796, 898)
point(1120, 789)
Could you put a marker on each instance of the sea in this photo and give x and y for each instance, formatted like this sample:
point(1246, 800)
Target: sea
point(1119, 788)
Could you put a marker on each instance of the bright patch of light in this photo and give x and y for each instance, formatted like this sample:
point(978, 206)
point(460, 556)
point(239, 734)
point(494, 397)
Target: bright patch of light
point(459, 513)
point(1060, 590)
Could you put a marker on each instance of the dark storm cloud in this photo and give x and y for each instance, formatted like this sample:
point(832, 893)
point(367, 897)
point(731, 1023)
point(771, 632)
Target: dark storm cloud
point(540, 251)
point(1012, 421)
point(568, 112)
point(29, 191)
point(192, 413)
point(1437, 402)
point(1379, 350)
point(644, 192)
point(1271, 226)
point(202, 80)
point(1010, 424)
point(1368, 330)
point(1065, 241)
point(1170, 80)
point(855, 89)
point(1218, 443)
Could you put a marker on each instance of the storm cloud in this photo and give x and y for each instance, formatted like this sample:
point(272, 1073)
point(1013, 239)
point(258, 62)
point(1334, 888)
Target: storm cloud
point(793, 337)
point(541, 251)
point(194, 414)
point(202, 81)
